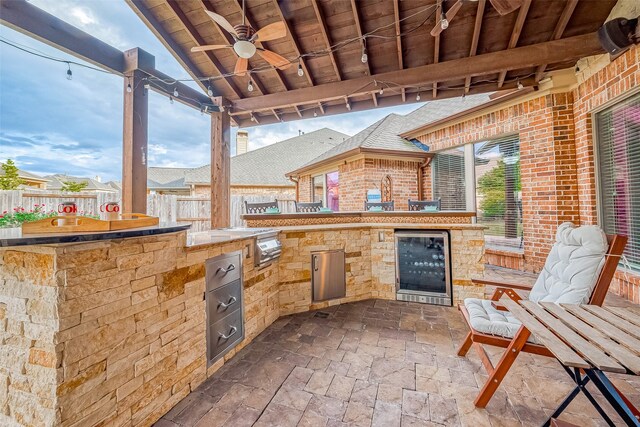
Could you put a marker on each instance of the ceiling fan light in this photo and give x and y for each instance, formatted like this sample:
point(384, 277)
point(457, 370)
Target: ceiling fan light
point(244, 49)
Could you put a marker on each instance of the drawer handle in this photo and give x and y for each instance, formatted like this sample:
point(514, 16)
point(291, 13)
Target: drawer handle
point(230, 268)
point(232, 332)
point(224, 306)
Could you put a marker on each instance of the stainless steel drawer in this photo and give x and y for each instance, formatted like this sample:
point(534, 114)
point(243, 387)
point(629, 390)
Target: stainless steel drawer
point(224, 301)
point(221, 271)
point(224, 334)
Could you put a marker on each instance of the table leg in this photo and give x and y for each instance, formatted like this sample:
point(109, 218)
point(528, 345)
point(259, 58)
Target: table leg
point(613, 396)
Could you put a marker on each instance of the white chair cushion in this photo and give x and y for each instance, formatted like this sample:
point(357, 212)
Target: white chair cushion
point(572, 267)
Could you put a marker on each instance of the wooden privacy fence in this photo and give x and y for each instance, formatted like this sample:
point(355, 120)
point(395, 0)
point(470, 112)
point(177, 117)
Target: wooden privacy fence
point(169, 208)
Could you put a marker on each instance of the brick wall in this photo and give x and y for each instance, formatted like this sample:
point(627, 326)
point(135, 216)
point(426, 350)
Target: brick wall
point(304, 189)
point(205, 190)
point(352, 185)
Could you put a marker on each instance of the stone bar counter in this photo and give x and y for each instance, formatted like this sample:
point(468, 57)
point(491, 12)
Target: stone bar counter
point(110, 329)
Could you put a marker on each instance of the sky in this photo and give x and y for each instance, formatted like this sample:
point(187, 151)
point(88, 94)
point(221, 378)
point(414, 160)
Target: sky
point(49, 124)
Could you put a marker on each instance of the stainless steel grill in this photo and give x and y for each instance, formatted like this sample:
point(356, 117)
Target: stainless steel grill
point(267, 248)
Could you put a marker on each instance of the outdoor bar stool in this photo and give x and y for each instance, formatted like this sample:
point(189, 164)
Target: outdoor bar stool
point(386, 206)
point(419, 205)
point(255, 208)
point(308, 207)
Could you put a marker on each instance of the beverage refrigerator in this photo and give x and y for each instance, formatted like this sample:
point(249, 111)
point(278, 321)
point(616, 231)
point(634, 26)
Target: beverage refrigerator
point(423, 266)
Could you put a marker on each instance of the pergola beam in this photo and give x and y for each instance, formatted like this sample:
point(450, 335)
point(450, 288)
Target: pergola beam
point(396, 17)
point(475, 38)
point(325, 35)
point(515, 35)
point(569, 7)
point(436, 46)
point(562, 50)
point(294, 43)
point(356, 19)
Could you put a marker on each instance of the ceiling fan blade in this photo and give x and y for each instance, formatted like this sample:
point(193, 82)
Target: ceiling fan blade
point(209, 47)
point(241, 67)
point(222, 21)
point(273, 31)
point(274, 59)
point(505, 7)
point(451, 13)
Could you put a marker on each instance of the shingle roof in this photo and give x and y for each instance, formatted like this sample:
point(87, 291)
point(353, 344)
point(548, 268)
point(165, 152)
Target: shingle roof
point(56, 183)
point(25, 175)
point(384, 134)
point(167, 178)
point(268, 165)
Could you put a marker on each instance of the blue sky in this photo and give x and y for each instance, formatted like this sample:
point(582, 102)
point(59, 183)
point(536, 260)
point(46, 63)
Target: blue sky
point(49, 124)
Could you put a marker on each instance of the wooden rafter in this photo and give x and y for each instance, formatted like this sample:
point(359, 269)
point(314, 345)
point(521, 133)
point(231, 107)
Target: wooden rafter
point(569, 7)
point(515, 35)
point(436, 48)
point(476, 37)
point(396, 17)
point(325, 35)
point(562, 50)
point(199, 40)
point(356, 19)
point(294, 43)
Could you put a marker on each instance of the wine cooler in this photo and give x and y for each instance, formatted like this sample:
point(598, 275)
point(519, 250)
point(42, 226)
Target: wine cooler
point(423, 267)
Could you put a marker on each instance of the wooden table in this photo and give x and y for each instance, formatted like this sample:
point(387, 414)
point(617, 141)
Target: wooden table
point(588, 341)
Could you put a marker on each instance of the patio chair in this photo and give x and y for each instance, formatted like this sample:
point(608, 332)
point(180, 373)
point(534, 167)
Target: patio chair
point(578, 270)
point(308, 207)
point(418, 205)
point(386, 206)
point(255, 208)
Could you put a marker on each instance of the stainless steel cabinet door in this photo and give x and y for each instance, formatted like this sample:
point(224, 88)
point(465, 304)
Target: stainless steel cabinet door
point(328, 275)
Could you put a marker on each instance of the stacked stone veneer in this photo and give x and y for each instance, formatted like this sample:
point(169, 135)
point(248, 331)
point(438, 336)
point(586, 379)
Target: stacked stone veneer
point(112, 333)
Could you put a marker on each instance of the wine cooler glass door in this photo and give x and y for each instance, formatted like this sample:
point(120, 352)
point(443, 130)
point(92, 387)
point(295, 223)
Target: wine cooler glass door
point(422, 263)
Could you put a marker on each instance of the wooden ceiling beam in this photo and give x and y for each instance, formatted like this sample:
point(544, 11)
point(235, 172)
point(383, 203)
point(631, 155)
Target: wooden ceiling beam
point(356, 19)
point(569, 7)
point(294, 42)
point(557, 51)
point(396, 17)
point(199, 40)
point(515, 35)
point(436, 49)
point(325, 35)
point(387, 101)
point(475, 38)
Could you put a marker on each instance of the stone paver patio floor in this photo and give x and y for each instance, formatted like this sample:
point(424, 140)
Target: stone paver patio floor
point(380, 363)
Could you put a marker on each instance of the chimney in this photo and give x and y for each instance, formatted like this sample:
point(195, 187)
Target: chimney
point(242, 142)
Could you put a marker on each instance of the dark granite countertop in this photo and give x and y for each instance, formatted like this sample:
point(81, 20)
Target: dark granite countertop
point(14, 237)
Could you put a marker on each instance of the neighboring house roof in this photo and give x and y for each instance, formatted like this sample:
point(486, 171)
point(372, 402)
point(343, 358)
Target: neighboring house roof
point(167, 178)
point(56, 183)
point(385, 133)
point(27, 176)
point(116, 185)
point(268, 165)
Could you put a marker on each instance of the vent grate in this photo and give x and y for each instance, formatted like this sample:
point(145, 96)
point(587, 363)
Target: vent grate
point(321, 314)
point(424, 299)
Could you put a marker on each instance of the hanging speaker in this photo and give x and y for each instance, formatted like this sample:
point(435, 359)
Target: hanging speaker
point(617, 34)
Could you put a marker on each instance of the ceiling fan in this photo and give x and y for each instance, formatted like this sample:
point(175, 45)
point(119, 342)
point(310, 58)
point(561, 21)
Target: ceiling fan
point(503, 7)
point(245, 37)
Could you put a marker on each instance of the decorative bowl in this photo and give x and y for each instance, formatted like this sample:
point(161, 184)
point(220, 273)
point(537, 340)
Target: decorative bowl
point(376, 209)
point(430, 209)
point(272, 211)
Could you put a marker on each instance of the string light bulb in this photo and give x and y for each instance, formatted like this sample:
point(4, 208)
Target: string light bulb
point(444, 22)
point(520, 85)
point(253, 119)
point(348, 106)
point(364, 58)
point(418, 97)
point(175, 92)
point(69, 73)
point(129, 88)
point(300, 70)
point(315, 114)
point(250, 86)
point(209, 91)
point(381, 91)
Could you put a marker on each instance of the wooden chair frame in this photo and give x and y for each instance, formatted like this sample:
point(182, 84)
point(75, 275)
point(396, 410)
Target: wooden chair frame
point(518, 343)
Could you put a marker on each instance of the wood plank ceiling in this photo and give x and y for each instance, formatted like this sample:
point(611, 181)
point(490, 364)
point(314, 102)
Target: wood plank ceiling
point(397, 36)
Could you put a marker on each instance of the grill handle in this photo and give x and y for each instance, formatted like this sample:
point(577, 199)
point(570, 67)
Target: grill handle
point(228, 269)
point(231, 301)
point(232, 332)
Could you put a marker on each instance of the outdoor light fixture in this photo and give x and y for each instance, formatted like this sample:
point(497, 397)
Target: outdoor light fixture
point(381, 91)
point(147, 86)
point(209, 91)
point(418, 97)
point(300, 70)
point(69, 73)
point(364, 58)
point(315, 114)
point(444, 23)
point(245, 49)
point(250, 86)
point(520, 85)
point(348, 106)
point(175, 92)
point(129, 88)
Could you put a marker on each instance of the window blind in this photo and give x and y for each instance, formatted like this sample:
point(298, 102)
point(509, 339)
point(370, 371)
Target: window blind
point(618, 161)
point(498, 191)
point(448, 179)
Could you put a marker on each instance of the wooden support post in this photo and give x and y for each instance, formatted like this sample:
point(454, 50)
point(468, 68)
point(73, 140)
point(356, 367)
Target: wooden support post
point(220, 168)
point(134, 145)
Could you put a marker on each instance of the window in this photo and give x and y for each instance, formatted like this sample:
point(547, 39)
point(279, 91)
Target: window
point(618, 163)
point(448, 169)
point(498, 191)
point(325, 189)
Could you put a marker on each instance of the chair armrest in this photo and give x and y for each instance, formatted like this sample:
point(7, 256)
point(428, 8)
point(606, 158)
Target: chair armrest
point(523, 287)
point(499, 292)
point(498, 306)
